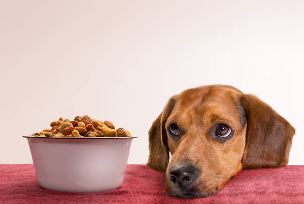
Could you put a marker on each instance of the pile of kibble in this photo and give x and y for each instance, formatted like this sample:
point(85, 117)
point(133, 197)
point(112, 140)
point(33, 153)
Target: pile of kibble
point(82, 127)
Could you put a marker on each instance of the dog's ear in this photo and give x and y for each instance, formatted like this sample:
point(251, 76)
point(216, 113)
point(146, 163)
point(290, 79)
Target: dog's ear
point(158, 145)
point(268, 136)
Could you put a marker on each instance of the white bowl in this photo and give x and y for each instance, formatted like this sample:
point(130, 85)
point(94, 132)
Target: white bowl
point(80, 164)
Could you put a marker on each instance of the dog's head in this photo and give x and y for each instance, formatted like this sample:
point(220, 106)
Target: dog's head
point(212, 133)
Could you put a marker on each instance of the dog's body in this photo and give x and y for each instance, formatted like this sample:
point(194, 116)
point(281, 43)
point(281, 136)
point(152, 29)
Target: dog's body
point(213, 132)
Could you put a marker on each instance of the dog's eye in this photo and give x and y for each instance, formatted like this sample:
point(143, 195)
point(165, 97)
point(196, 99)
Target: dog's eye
point(174, 130)
point(221, 131)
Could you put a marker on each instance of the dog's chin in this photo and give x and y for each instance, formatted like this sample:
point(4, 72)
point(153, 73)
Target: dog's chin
point(191, 193)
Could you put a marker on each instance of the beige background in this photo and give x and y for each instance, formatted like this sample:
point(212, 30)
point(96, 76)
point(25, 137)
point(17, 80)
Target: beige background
point(122, 60)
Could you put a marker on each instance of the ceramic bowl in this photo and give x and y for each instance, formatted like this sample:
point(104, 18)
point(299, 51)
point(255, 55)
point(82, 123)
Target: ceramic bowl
point(80, 165)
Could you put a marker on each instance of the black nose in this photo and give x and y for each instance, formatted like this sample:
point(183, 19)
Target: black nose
point(183, 176)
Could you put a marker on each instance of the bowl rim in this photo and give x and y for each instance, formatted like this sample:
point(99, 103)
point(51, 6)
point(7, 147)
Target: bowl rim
point(81, 138)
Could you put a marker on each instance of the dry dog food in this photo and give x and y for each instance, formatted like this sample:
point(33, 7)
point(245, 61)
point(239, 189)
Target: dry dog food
point(82, 127)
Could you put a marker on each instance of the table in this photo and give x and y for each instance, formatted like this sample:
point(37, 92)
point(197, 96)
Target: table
point(145, 185)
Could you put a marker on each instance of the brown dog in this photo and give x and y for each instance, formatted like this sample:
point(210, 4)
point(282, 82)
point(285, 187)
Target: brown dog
point(213, 132)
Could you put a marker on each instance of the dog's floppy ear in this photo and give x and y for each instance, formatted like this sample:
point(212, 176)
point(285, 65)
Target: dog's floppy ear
point(268, 136)
point(158, 146)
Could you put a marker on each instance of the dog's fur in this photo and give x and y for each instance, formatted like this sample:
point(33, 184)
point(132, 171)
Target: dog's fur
point(261, 137)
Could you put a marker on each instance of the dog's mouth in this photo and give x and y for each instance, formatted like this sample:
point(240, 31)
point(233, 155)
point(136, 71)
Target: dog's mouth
point(189, 195)
point(192, 193)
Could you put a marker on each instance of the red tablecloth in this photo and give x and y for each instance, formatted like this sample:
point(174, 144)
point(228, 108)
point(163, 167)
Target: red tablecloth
point(144, 185)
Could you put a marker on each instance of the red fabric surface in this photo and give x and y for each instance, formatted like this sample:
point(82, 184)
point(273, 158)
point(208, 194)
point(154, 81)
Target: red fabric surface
point(144, 185)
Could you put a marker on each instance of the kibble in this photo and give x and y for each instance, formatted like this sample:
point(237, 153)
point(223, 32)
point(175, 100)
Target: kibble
point(82, 126)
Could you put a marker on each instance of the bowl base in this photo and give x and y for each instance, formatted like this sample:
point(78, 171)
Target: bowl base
point(78, 191)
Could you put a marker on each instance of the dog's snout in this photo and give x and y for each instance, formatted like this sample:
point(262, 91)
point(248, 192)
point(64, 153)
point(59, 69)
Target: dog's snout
point(183, 176)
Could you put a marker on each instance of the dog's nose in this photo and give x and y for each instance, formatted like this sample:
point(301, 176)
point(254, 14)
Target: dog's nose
point(183, 176)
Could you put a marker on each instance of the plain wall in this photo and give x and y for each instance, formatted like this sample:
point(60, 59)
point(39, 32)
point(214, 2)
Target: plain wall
point(122, 60)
